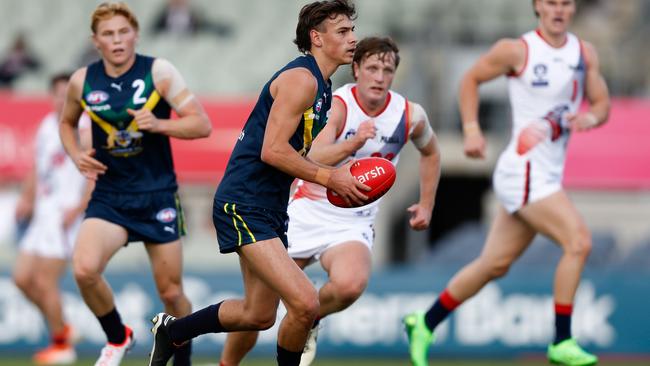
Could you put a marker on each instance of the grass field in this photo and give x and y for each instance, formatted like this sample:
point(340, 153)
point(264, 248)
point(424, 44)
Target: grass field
point(344, 362)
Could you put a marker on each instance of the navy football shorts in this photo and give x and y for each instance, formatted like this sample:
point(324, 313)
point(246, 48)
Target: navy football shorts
point(151, 217)
point(239, 224)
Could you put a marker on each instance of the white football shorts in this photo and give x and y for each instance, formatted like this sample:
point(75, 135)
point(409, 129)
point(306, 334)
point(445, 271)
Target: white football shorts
point(316, 226)
point(518, 181)
point(45, 237)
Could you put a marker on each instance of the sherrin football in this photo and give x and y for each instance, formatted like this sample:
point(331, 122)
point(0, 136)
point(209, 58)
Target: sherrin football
point(377, 173)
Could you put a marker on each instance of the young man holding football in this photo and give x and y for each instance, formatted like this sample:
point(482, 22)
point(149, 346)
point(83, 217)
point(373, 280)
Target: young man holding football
point(366, 119)
point(250, 205)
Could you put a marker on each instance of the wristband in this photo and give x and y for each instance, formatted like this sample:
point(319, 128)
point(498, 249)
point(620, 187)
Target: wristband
point(593, 120)
point(471, 128)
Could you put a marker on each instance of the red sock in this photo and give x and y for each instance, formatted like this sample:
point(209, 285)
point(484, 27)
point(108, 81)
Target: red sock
point(563, 309)
point(440, 310)
point(448, 301)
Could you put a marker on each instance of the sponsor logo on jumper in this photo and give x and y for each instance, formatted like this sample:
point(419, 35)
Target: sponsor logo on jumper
point(96, 97)
point(100, 108)
point(540, 71)
point(390, 139)
point(118, 87)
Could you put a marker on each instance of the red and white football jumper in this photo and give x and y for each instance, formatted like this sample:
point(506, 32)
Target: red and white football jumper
point(550, 86)
point(59, 186)
point(314, 223)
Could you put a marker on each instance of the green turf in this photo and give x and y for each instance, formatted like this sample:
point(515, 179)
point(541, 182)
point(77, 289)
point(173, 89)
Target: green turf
point(338, 362)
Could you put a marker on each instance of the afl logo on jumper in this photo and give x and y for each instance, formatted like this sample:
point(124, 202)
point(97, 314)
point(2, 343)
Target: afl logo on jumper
point(96, 97)
point(540, 71)
point(166, 215)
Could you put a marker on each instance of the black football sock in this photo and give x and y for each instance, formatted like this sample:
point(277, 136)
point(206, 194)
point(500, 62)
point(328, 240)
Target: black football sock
point(562, 322)
point(288, 358)
point(440, 310)
point(182, 355)
point(113, 327)
point(201, 322)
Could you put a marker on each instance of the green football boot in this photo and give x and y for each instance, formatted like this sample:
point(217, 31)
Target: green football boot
point(569, 353)
point(420, 338)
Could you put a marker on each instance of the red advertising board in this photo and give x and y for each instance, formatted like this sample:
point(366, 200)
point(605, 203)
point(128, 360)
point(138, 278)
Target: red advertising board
point(202, 160)
point(615, 156)
point(19, 119)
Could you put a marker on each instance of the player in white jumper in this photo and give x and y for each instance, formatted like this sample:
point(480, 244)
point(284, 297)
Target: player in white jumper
point(55, 195)
point(366, 119)
point(549, 70)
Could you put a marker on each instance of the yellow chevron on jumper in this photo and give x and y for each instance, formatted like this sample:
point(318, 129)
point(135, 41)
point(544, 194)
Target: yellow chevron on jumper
point(110, 130)
point(308, 117)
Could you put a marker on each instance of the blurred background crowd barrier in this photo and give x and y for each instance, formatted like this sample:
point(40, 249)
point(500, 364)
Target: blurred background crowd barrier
point(227, 51)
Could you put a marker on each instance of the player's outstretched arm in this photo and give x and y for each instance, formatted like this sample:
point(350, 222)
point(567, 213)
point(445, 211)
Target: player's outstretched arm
point(506, 56)
point(426, 141)
point(294, 92)
point(83, 158)
point(192, 123)
point(324, 149)
point(597, 94)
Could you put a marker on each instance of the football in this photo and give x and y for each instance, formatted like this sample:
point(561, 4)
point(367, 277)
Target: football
point(377, 173)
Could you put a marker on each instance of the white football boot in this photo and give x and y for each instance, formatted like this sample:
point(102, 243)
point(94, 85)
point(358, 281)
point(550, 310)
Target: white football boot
point(309, 352)
point(112, 354)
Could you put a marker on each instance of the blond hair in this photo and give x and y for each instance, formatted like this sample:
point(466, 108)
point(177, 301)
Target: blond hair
point(108, 10)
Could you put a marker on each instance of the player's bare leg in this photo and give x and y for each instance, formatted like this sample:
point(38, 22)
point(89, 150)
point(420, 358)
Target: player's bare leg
point(557, 218)
point(270, 263)
point(167, 268)
point(258, 299)
point(348, 267)
point(237, 346)
point(48, 275)
point(269, 274)
point(24, 275)
point(508, 238)
point(38, 278)
point(97, 242)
